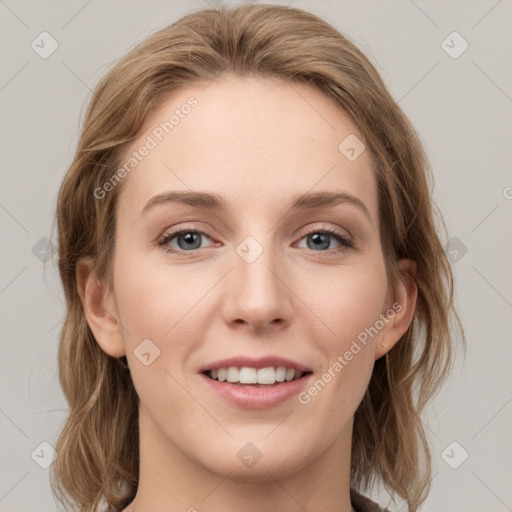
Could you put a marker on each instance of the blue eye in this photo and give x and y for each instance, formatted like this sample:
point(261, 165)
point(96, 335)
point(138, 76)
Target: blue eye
point(321, 239)
point(190, 240)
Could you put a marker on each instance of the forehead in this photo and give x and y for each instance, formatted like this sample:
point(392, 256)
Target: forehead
point(254, 140)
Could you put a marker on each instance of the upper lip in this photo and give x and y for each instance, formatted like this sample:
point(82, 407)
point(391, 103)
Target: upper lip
point(261, 362)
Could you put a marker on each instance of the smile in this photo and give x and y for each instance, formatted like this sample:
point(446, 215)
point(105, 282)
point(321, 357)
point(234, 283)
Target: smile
point(255, 395)
point(254, 376)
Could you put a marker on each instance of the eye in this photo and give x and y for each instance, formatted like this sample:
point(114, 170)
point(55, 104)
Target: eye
point(187, 240)
point(320, 239)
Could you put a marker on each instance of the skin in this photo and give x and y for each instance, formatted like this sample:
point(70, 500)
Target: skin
point(256, 142)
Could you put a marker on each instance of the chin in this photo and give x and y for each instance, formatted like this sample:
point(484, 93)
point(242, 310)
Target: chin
point(245, 461)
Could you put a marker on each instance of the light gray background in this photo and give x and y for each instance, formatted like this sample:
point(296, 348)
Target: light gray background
point(462, 108)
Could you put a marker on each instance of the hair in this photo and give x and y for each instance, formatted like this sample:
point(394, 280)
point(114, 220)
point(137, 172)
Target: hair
point(98, 457)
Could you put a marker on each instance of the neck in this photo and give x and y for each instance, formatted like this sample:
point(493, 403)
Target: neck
point(173, 481)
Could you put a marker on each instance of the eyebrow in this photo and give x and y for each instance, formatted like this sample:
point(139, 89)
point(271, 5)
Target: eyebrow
point(308, 200)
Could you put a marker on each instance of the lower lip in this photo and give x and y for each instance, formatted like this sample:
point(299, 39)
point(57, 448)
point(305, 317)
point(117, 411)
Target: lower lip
point(253, 397)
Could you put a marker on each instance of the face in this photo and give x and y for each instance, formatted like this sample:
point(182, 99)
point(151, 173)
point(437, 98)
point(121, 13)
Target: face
point(281, 267)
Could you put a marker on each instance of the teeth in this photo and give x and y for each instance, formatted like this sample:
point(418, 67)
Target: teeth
point(263, 376)
point(280, 374)
point(266, 375)
point(289, 374)
point(247, 375)
point(233, 374)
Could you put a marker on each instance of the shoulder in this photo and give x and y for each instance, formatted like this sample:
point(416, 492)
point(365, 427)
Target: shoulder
point(363, 504)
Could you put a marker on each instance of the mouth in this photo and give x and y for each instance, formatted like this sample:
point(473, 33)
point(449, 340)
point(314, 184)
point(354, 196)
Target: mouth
point(255, 383)
point(246, 376)
point(255, 388)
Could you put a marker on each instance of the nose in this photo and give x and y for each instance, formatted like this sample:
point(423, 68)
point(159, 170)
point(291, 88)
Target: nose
point(257, 296)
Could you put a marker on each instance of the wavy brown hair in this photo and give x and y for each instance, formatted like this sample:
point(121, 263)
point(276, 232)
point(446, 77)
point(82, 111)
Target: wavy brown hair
point(98, 458)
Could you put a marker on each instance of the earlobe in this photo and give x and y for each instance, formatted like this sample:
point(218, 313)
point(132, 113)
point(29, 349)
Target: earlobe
point(404, 306)
point(99, 309)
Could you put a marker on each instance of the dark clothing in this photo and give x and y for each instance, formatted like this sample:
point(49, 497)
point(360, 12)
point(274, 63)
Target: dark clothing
point(363, 504)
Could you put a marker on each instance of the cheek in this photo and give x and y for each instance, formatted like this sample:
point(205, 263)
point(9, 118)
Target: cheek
point(152, 298)
point(155, 304)
point(348, 302)
point(345, 300)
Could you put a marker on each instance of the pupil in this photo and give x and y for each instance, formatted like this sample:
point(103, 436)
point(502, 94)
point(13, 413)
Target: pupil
point(320, 242)
point(189, 238)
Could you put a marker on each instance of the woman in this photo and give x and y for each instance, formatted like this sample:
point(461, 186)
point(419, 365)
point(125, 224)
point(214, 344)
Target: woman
point(282, 361)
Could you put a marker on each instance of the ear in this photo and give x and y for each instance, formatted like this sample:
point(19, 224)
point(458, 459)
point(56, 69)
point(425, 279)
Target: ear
point(401, 312)
point(99, 307)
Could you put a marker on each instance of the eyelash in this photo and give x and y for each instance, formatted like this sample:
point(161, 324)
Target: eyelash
point(346, 243)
